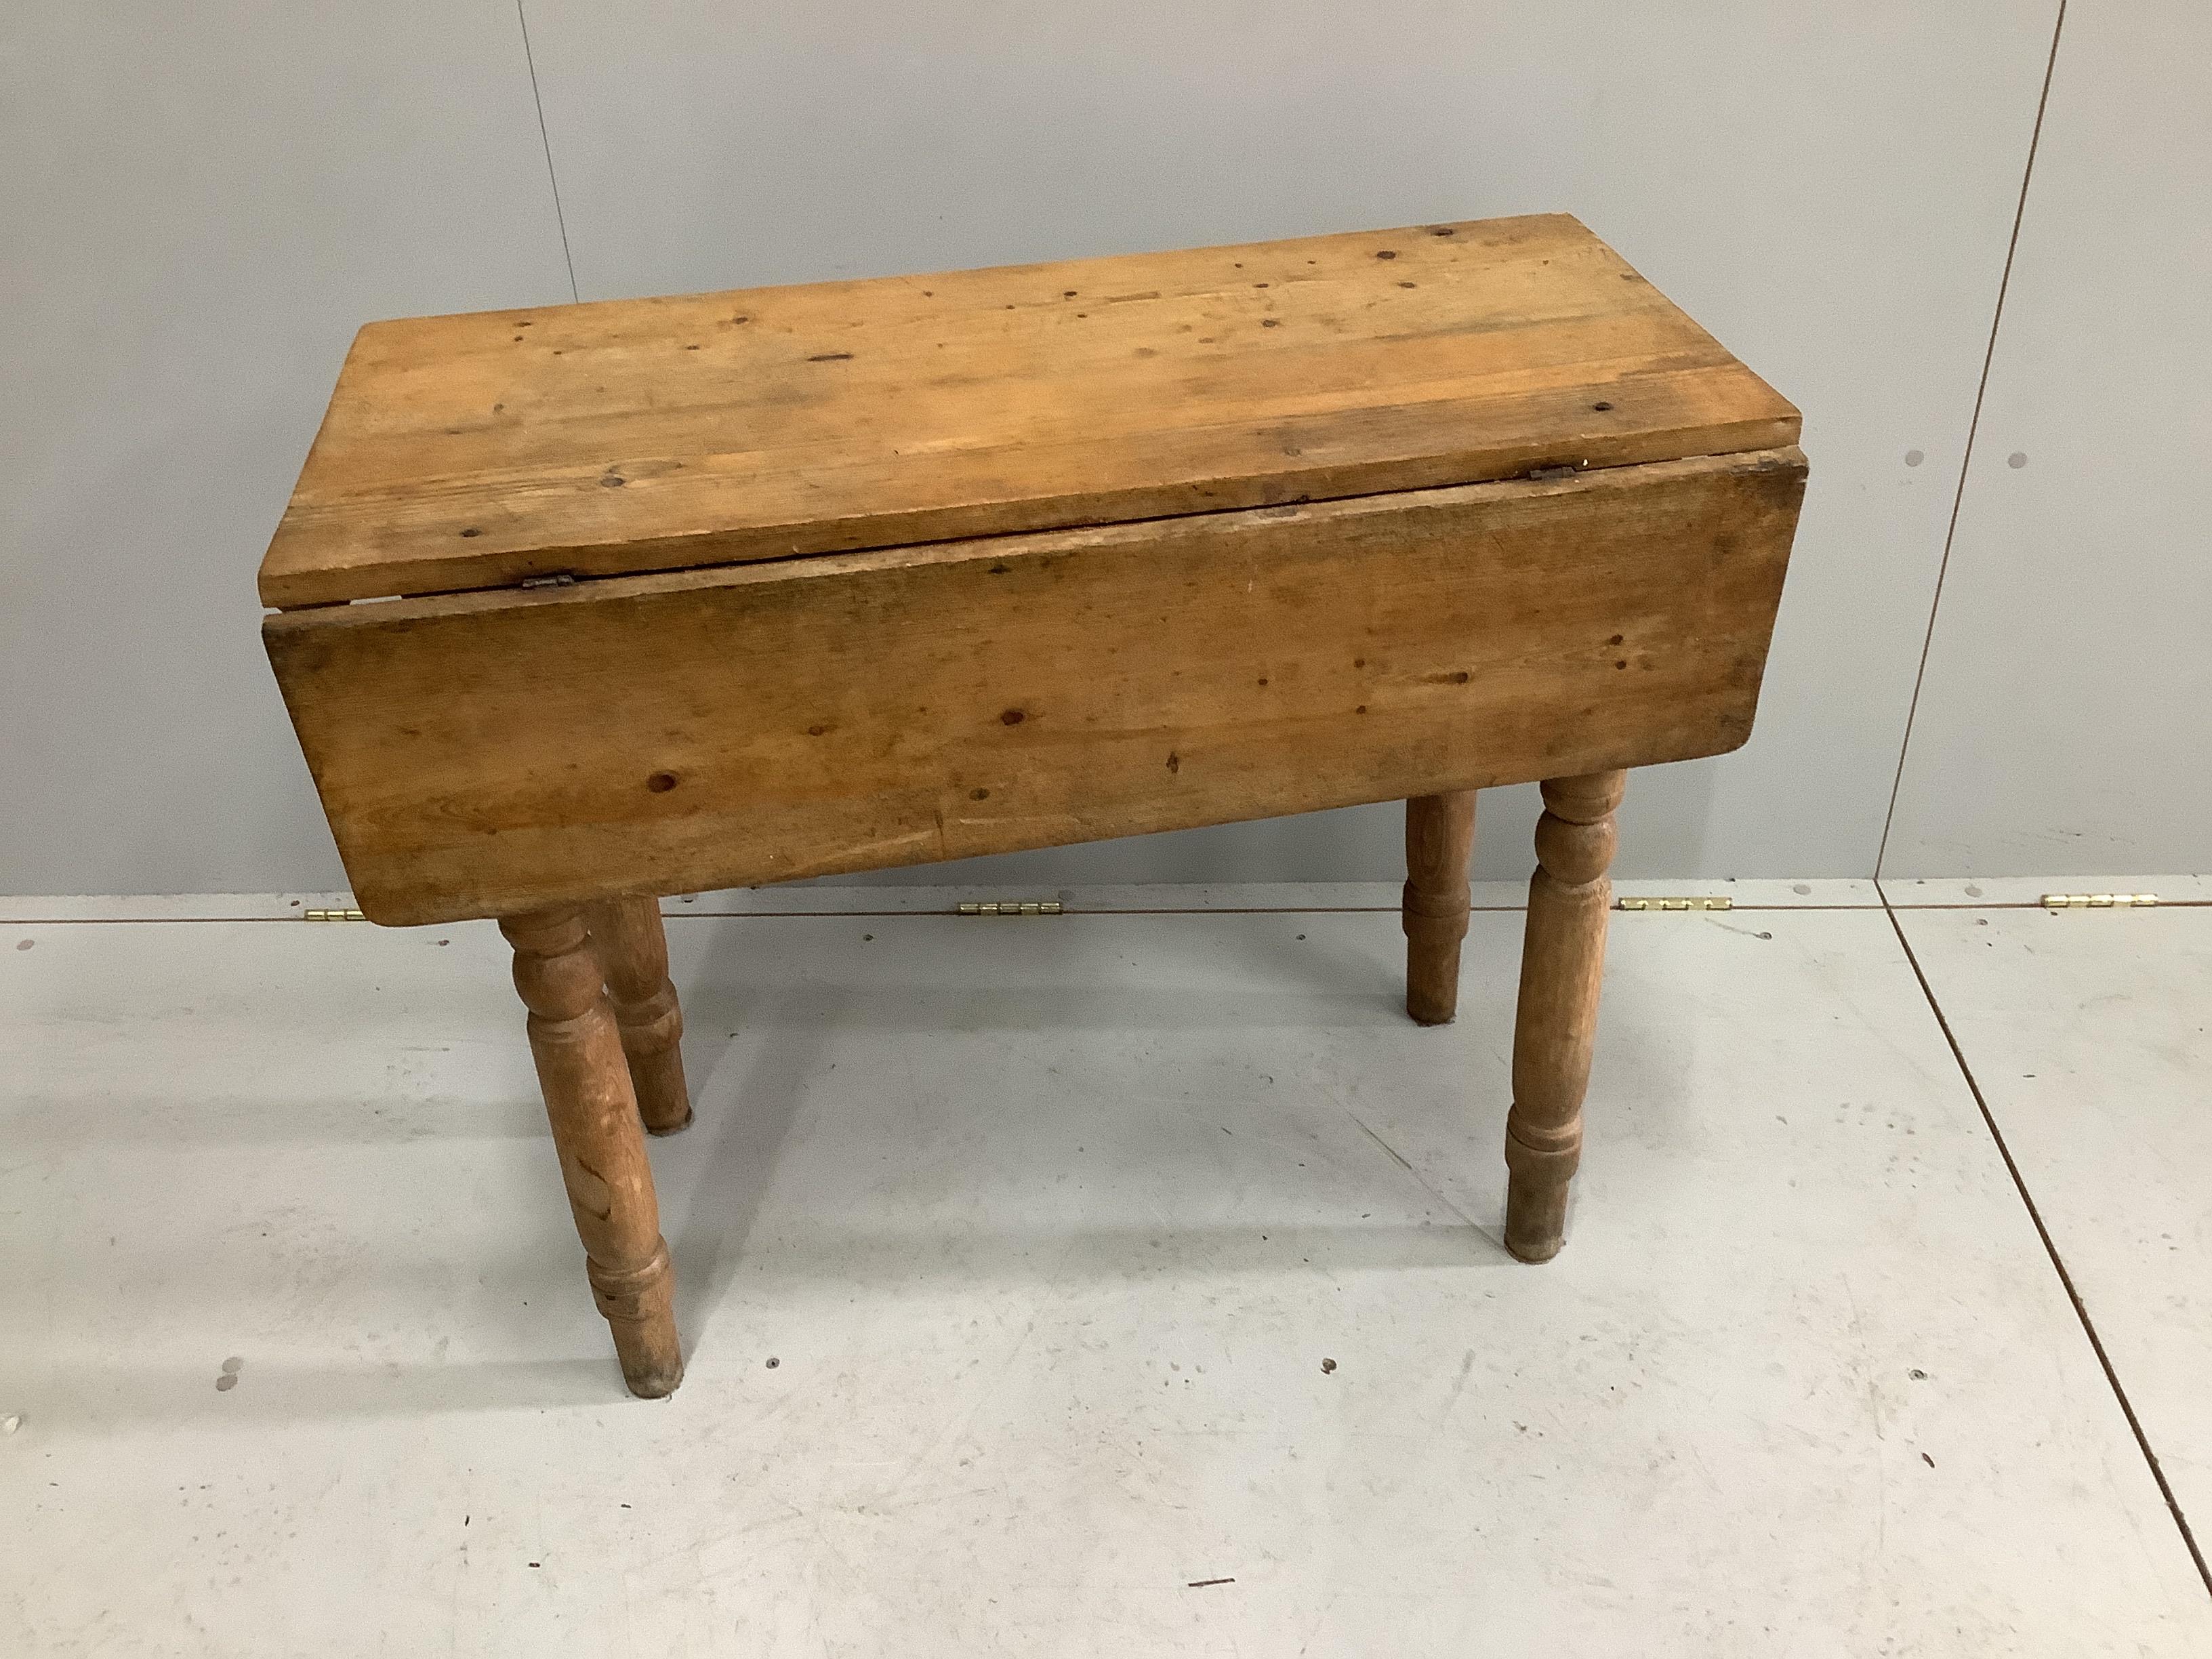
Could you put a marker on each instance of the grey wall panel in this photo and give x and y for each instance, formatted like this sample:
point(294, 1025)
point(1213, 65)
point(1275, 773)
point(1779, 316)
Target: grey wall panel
point(198, 205)
point(2065, 722)
point(1830, 191)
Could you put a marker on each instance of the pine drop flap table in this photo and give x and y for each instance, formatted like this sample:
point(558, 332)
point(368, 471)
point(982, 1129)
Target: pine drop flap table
point(576, 607)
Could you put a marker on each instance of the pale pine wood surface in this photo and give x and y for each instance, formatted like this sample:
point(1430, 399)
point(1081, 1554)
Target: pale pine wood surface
point(633, 950)
point(593, 1111)
point(1555, 1020)
point(739, 691)
point(1436, 901)
point(484, 753)
point(469, 452)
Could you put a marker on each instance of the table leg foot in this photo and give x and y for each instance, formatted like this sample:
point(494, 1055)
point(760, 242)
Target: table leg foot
point(1562, 962)
point(639, 1305)
point(1439, 838)
point(595, 1130)
point(633, 948)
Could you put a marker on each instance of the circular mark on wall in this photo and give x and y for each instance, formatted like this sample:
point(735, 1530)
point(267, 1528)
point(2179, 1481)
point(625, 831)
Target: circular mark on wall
point(1914, 457)
point(2017, 460)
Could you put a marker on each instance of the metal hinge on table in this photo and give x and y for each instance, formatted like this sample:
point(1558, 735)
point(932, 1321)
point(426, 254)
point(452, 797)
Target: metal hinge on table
point(1673, 904)
point(332, 915)
point(1012, 908)
point(558, 579)
point(2099, 901)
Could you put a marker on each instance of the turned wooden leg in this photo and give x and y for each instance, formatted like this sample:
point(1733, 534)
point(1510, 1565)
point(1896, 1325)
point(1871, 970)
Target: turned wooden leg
point(1439, 837)
point(1562, 959)
point(634, 954)
point(588, 1099)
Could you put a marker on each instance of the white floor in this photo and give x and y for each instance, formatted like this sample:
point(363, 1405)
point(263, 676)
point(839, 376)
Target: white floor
point(1125, 1283)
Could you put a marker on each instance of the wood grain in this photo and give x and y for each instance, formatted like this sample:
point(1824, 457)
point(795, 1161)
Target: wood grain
point(633, 948)
point(1555, 1024)
point(1434, 907)
point(485, 753)
point(469, 452)
point(593, 1114)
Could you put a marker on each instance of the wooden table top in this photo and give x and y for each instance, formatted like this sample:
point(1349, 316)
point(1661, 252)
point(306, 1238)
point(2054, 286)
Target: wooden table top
point(471, 452)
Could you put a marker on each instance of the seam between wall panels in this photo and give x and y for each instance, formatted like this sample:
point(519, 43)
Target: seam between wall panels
point(544, 139)
point(1967, 460)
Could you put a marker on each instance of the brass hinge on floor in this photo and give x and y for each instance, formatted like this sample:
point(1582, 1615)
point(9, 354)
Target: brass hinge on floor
point(2054, 901)
point(1012, 908)
point(1673, 904)
point(332, 915)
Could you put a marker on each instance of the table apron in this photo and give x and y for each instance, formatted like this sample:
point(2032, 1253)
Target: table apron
point(484, 753)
